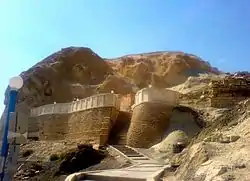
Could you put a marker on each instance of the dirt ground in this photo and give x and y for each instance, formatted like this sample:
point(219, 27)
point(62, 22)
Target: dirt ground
point(72, 162)
point(46, 170)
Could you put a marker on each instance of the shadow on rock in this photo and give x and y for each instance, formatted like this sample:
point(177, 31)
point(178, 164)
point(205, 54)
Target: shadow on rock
point(82, 157)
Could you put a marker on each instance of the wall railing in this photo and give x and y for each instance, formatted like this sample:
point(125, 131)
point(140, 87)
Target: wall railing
point(165, 96)
point(96, 101)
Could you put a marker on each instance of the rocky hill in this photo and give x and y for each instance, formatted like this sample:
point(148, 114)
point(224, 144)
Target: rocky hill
point(77, 72)
point(219, 152)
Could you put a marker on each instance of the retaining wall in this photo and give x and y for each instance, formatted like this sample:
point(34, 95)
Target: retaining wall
point(92, 125)
point(86, 120)
point(150, 118)
point(89, 126)
point(148, 124)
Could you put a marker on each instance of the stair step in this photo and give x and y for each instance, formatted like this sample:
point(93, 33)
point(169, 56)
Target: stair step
point(128, 151)
point(145, 169)
point(139, 158)
point(134, 155)
point(151, 166)
point(121, 136)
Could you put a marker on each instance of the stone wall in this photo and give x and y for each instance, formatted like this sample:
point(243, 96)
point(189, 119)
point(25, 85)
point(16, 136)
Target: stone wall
point(52, 127)
point(228, 92)
point(89, 126)
point(152, 94)
point(148, 124)
point(85, 119)
point(92, 126)
point(33, 127)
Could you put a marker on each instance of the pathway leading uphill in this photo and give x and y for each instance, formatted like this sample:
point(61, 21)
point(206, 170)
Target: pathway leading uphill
point(143, 168)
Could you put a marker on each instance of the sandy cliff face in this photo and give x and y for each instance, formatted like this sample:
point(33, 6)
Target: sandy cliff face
point(79, 72)
point(162, 69)
point(59, 77)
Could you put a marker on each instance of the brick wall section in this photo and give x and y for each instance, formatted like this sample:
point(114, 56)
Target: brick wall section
point(53, 127)
point(224, 101)
point(33, 125)
point(228, 92)
point(89, 126)
point(148, 124)
point(92, 125)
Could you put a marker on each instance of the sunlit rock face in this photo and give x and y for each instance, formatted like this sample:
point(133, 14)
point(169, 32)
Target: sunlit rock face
point(80, 72)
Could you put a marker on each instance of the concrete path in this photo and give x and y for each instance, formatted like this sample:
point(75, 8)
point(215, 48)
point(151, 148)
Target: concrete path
point(143, 168)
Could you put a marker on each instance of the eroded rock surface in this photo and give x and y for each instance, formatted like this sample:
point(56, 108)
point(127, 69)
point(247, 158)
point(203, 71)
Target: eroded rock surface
point(79, 72)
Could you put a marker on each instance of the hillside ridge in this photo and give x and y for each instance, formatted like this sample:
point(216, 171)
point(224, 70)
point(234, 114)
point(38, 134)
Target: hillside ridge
point(79, 72)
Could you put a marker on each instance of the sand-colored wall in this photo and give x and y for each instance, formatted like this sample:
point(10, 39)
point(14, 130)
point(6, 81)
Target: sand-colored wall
point(153, 94)
point(228, 92)
point(56, 116)
point(150, 118)
point(148, 124)
point(92, 125)
point(33, 127)
point(52, 127)
point(86, 126)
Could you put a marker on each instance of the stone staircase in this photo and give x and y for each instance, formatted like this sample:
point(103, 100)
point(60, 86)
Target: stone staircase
point(143, 168)
point(129, 152)
point(135, 156)
point(122, 139)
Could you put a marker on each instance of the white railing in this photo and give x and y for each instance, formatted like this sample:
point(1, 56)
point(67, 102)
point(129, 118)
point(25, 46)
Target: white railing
point(99, 100)
point(151, 94)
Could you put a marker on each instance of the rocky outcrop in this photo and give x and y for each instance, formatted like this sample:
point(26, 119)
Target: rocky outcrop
point(59, 77)
point(170, 143)
point(159, 68)
point(185, 119)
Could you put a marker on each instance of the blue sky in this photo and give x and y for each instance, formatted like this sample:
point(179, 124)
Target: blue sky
point(216, 30)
